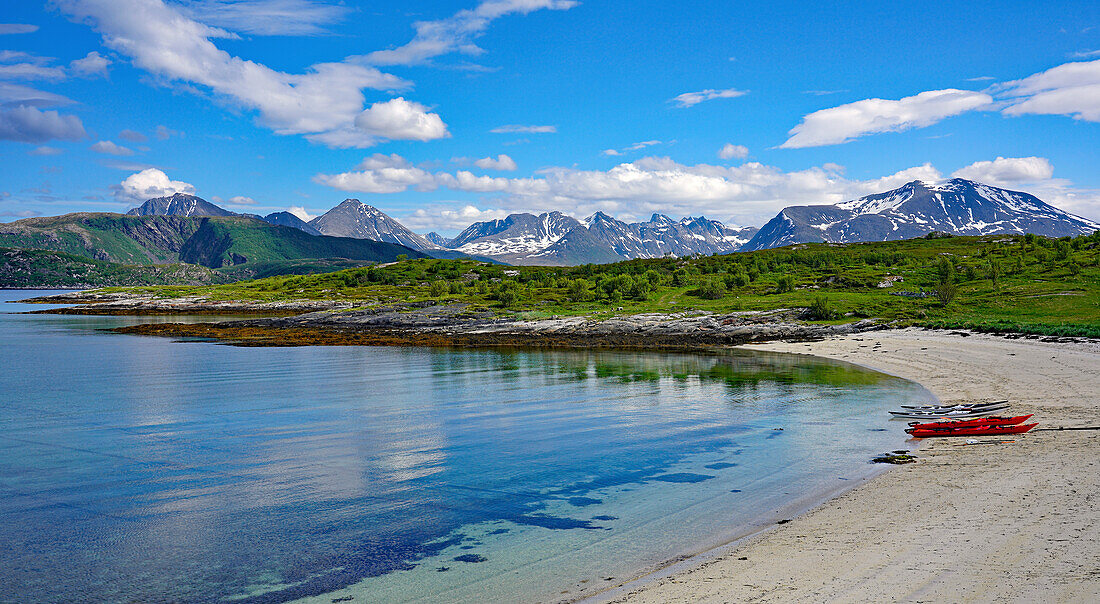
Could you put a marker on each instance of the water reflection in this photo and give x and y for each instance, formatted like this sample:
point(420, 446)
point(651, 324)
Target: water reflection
point(135, 468)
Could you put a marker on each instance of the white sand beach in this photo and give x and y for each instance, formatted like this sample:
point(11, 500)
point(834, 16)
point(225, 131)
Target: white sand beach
point(966, 523)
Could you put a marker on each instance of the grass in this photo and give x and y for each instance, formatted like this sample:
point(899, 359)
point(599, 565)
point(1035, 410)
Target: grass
point(1002, 283)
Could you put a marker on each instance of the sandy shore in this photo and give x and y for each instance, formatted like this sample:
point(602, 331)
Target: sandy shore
point(966, 523)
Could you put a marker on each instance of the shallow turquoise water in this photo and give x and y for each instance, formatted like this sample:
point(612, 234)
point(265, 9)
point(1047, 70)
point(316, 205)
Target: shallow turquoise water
point(141, 469)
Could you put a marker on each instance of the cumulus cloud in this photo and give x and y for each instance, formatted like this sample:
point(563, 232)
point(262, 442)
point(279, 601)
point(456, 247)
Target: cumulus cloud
point(27, 124)
point(301, 212)
point(149, 183)
point(447, 219)
point(326, 102)
point(1071, 89)
point(110, 148)
point(1005, 171)
point(93, 64)
point(844, 123)
point(689, 99)
point(732, 151)
point(513, 128)
point(457, 32)
point(17, 28)
point(380, 174)
point(240, 200)
point(267, 17)
point(502, 162)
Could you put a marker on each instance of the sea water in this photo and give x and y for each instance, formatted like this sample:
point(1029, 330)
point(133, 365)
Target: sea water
point(141, 469)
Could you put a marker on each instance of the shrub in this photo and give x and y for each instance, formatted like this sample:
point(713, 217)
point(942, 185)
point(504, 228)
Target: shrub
point(712, 288)
point(819, 309)
point(945, 292)
point(784, 284)
point(438, 288)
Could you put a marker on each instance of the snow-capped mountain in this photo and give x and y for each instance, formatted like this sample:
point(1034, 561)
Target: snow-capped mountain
point(957, 206)
point(179, 204)
point(353, 218)
point(290, 220)
point(663, 236)
point(437, 239)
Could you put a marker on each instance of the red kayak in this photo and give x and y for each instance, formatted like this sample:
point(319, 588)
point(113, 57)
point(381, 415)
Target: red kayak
point(978, 421)
point(969, 431)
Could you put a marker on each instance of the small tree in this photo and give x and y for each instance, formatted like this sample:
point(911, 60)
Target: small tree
point(784, 284)
point(712, 288)
point(994, 272)
point(578, 290)
point(819, 309)
point(945, 292)
point(438, 288)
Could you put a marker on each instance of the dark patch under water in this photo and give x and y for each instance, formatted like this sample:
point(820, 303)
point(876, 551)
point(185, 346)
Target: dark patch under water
point(686, 477)
point(583, 501)
point(722, 465)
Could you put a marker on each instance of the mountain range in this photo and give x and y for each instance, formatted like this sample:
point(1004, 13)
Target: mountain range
point(957, 206)
point(185, 228)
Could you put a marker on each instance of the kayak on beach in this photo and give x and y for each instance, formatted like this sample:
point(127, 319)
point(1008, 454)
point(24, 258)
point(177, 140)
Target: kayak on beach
point(978, 421)
point(955, 406)
point(969, 430)
point(956, 413)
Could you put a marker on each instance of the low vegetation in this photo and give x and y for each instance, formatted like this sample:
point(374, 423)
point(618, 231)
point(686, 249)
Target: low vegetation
point(1015, 283)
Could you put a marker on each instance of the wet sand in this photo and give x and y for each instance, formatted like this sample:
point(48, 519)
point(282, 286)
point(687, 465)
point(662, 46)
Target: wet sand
point(966, 523)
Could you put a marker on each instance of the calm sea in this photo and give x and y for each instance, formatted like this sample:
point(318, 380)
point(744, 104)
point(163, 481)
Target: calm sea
point(138, 469)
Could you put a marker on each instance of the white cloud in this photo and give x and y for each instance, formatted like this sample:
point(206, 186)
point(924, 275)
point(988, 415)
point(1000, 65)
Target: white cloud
point(732, 151)
point(267, 17)
point(110, 148)
point(18, 65)
point(133, 136)
point(149, 183)
point(93, 64)
point(240, 200)
point(1086, 54)
point(301, 212)
point(164, 133)
point(502, 162)
point(326, 102)
point(1005, 171)
point(847, 122)
point(446, 219)
point(1071, 89)
point(43, 151)
point(457, 32)
point(635, 147)
point(29, 125)
point(380, 174)
point(17, 28)
point(513, 128)
point(689, 99)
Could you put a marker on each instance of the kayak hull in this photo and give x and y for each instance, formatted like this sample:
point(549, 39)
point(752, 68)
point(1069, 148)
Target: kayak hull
point(969, 431)
point(978, 421)
point(925, 408)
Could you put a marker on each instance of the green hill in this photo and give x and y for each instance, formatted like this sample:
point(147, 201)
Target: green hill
point(43, 268)
point(1022, 284)
point(238, 247)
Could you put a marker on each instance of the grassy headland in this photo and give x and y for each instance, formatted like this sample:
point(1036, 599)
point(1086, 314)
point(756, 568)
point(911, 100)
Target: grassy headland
point(1006, 283)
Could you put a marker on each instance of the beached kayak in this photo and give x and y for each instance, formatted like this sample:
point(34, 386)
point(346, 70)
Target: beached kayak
point(969, 431)
point(978, 421)
point(957, 413)
point(955, 406)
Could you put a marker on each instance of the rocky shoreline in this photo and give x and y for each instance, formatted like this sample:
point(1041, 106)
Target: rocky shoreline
point(328, 322)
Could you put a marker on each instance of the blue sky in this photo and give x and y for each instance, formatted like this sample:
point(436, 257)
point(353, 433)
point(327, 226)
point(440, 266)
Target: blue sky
point(443, 113)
